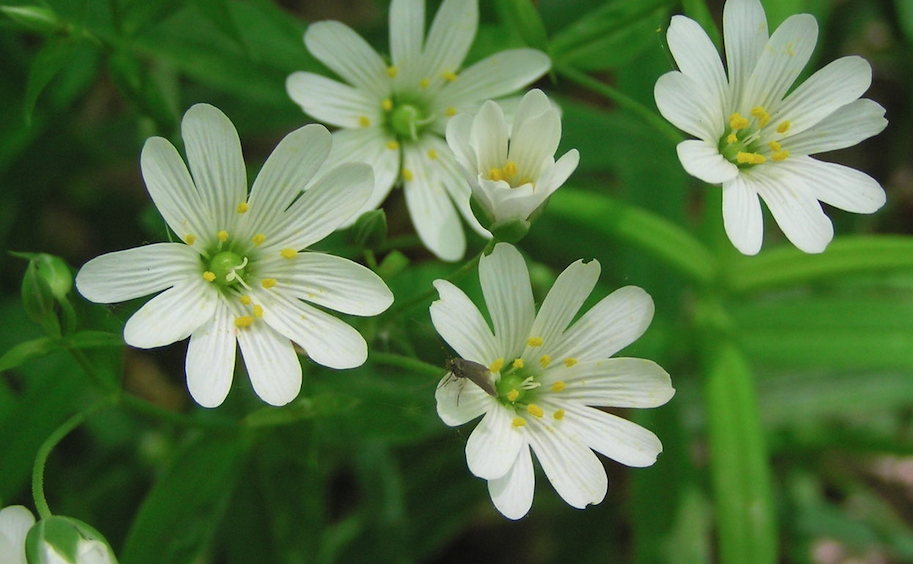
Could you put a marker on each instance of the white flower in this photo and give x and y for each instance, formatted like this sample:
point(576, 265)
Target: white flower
point(393, 116)
point(550, 375)
point(15, 522)
point(239, 275)
point(755, 134)
point(511, 168)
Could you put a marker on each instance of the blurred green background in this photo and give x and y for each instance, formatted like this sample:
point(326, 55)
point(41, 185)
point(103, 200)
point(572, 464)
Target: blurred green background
point(790, 438)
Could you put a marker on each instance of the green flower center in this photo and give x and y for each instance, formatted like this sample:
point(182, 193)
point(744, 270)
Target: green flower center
point(229, 268)
point(748, 142)
point(406, 118)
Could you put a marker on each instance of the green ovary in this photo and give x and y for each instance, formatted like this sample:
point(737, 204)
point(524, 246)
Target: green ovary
point(229, 268)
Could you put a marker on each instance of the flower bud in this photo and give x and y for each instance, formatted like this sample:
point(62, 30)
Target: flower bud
point(45, 286)
point(370, 230)
point(64, 540)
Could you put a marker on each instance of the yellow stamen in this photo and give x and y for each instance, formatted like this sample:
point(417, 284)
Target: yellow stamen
point(558, 386)
point(393, 144)
point(750, 158)
point(737, 122)
point(242, 207)
point(570, 362)
point(783, 127)
point(258, 310)
point(545, 360)
point(534, 341)
point(407, 175)
point(392, 71)
point(496, 366)
point(244, 321)
point(288, 253)
point(424, 83)
point(732, 138)
point(534, 410)
point(268, 283)
point(258, 239)
point(190, 239)
point(762, 115)
point(449, 76)
point(450, 112)
point(495, 174)
point(779, 155)
point(558, 415)
point(774, 146)
point(518, 422)
point(222, 235)
point(432, 154)
point(510, 169)
point(364, 121)
point(518, 363)
point(209, 276)
point(513, 395)
point(386, 104)
point(245, 300)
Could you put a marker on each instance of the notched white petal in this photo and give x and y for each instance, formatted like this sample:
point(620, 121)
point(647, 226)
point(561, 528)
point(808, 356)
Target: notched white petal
point(512, 493)
point(493, 445)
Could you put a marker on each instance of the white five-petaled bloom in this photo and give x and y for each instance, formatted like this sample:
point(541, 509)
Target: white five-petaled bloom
point(511, 167)
point(549, 378)
point(755, 135)
point(393, 115)
point(239, 274)
point(15, 522)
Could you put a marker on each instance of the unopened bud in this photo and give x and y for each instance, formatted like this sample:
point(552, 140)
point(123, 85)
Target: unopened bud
point(64, 540)
point(370, 230)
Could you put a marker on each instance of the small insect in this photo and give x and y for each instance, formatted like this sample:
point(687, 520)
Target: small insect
point(476, 373)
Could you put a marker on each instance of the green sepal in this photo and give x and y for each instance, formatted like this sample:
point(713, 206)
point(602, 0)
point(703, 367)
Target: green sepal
point(394, 263)
point(45, 288)
point(511, 231)
point(64, 535)
point(370, 230)
point(481, 212)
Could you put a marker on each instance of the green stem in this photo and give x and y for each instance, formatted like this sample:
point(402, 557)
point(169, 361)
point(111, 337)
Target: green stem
point(41, 458)
point(622, 100)
point(90, 370)
point(408, 363)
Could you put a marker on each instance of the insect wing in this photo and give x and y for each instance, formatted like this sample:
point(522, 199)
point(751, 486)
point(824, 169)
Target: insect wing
point(476, 373)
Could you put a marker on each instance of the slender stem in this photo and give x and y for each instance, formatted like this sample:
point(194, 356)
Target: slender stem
point(370, 259)
point(83, 361)
point(41, 458)
point(406, 362)
point(624, 101)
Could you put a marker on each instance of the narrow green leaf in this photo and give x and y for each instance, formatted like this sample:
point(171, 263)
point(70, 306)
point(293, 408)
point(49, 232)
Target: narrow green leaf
point(523, 16)
point(218, 12)
point(50, 60)
point(739, 467)
point(788, 266)
point(140, 15)
point(94, 340)
point(28, 350)
point(640, 228)
point(137, 84)
point(322, 405)
point(181, 513)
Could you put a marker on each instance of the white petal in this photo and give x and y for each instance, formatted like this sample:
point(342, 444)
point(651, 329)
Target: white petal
point(782, 59)
point(15, 522)
point(612, 436)
point(285, 174)
point(534, 142)
point(512, 493)
point(489, 137)
point(432, 212)
point(492, 77)
point(687, 106)
point(556, 175)
point(333, 102)
point(332, 282)
point(564, 300)
point(461, 324)
point(173, 191)
point(331, 200)
point(210, 361)
point(614, 382)
point(450, 36)
point(272, 364)
point(509, 298)
point(459, 133)
point(533, 103)
point(573, 469)
point(342, 50)
point(216, 163)
point(459, 401)
point(795, 208)
point(327, 340)
point(124, 275)
point(840, 186)
point(455, 182)
point(703, 160)
point(744, 36)
point(698, 59)
point(493, 445)
point(615, 322)
point(172, 315)
point(407, 32)
point(845, 127)
point(742, 218)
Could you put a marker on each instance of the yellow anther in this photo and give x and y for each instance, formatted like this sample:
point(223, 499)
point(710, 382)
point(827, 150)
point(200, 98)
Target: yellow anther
point(513, 395)
point(534, 410)
point(570, 362)
point(432, 154)
point(558, 415)
point(190, 239)
point(518, 422)
point(258, 239)
point(244, 321)
point(407, 175)
point(495, 174)
point(558, 386)
point(450, 112)
point(545, 360)
point(779, 155)
point(496, 366)
point(737, 122)
point(750, 158)
point(510, 169)
point(268, 283)
point(732, 138)
point(288, 253)
point(424, 83)
point(449, 76)
point(774, 146)
point(222, 235)
point(242, 207)
point(762, 115)
point(364, 121)
point(209, 276)
point(534, 341)
point(392, 71)
point(258, 310)
point(518, 363)
point(783, 127)
point(393, 144)
point(245, 300)
point(386, 104)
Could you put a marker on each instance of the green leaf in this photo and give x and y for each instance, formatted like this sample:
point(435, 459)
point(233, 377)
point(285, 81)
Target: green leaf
point(137, 84)
point(182, 512)
point(322, 405)
point(50, 60)
point(218, 12)
point(523, 16)
point(140, 15)
point(28, 350)
point(905, 17)
point(788, 266)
